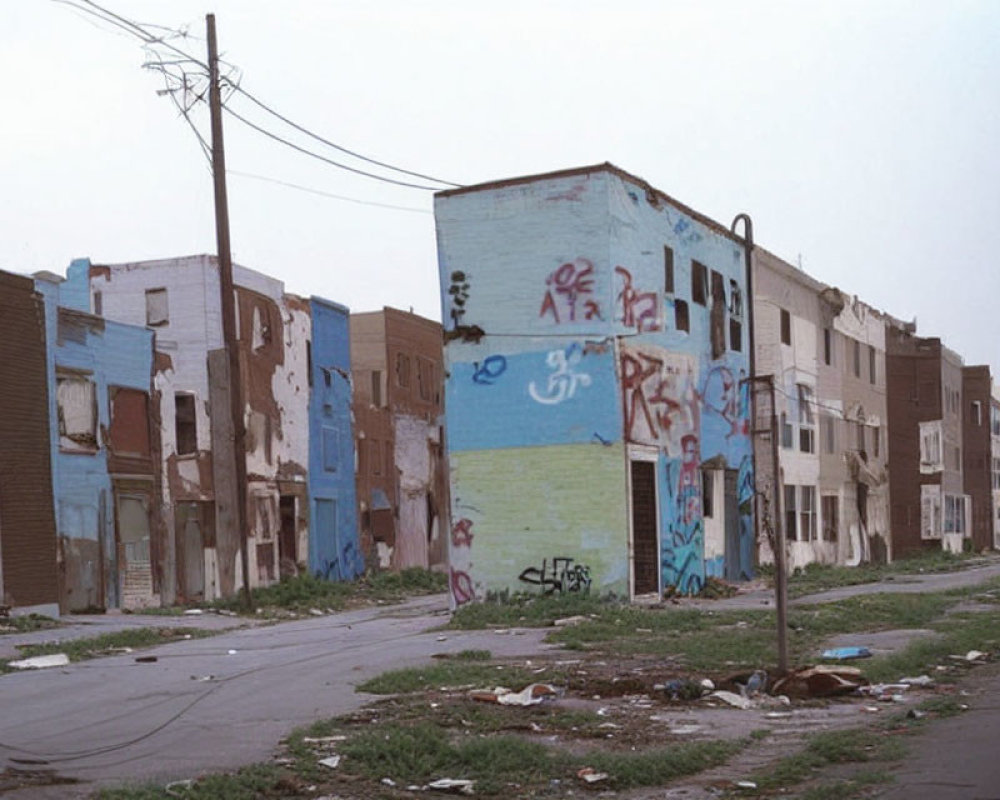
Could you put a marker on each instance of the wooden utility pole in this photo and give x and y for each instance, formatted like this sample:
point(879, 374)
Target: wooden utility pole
point(228, 306)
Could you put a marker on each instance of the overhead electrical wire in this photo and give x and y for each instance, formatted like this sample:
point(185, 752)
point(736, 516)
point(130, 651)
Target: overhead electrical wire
point(152, 41)
point(321, 193)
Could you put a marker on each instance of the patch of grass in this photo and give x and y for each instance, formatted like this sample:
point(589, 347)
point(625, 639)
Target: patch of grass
point(816, 578)
point(448, 673)
point(657, 767)
point(27, 623)
point(527, 610)
point(831, 747)
point(473, 655)
point(106, 643)
point(303, 593)
point(959, 634)
point(249, 783)
point(845, 790)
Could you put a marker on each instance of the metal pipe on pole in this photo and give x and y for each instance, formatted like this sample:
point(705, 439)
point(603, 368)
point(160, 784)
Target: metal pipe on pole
point(227, 298)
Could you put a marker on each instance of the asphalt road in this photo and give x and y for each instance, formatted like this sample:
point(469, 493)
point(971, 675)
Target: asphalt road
point(200, 708)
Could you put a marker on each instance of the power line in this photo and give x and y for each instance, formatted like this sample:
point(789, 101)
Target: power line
point(319, 157)
point(321, 193)
point(336, 146)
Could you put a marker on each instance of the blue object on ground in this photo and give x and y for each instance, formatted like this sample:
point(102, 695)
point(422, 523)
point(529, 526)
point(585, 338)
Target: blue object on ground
point(846, 653)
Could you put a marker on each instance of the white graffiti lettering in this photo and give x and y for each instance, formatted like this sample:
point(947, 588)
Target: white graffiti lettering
point(563, 381)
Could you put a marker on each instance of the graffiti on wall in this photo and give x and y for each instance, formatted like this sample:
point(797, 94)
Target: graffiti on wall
point(746, 490)
point(459, 582)
point(661, 399)
point(345, 566)
point(723, 396)
point(458, 291)
point(489, 370)
point(562, 575)
point(569, 293)
point(684, 533)
point(563, 381)
point(635, 308)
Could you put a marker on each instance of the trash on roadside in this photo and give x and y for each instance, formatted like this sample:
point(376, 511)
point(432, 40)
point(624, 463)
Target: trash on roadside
point(145, 659)
point(388, 781)
point(41, 662)
point(231, 653)
point(973, 656)
point(683, 730)
point(744, 784)
point(778, 714)
point(707, 684)
point(179, 788)
point(820, 681)
point(330, 761)
point(847, 653)
point(323, 739)
point(315, 612)
point(193, 612)
point(924, 681)
point(530, 695)
point(914, 713)
point(449, 785)
point(683, 689)
point(574, 620)
point(203, 677)
point(885, 692)
point(590, 775)
point(870, 709)
point(732, 699)
point(756, 684)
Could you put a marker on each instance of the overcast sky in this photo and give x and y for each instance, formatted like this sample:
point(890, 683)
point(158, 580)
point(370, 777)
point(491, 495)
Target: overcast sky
point(862, 137)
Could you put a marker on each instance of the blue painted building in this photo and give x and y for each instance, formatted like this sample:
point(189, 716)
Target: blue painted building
point(597, 422)
point(334, 548)
point(103, 449)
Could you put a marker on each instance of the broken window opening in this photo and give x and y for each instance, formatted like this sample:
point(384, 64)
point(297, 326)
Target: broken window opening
point(707, 493)
point(807, 513)
point(872, 372)
point(682, 318)
point(735, 299)
point(402, 370)
point(76, 398)
point(668, 270)
point(185, 424)
point(157, 309)
point(699, 283)
point(376, 388)
point(735, 335)
point(791, 517)
point(786, 327)
point(857, 358)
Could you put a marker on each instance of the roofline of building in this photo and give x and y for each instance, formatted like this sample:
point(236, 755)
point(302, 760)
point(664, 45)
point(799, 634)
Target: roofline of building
point(606, 167)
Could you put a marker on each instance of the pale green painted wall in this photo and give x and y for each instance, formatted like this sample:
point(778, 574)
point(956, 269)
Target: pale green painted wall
point(529, 504)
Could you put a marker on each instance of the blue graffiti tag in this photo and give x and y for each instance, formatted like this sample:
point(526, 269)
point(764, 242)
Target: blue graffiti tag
point(491, 369)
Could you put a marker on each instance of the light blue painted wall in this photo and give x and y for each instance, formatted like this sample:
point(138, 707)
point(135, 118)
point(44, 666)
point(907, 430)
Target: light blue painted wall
point(114, 354)
point(334, 546)
point(574, 266)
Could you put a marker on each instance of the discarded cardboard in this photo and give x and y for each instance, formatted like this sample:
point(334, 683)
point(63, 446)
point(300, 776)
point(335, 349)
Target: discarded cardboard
point(732, 699)
point(590, 775)
point(41, 662)
point(820, 681)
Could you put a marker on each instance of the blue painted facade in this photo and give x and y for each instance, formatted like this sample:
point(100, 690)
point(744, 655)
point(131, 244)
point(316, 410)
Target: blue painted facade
point(107, 354)
point(592, 322)
point(334, 548)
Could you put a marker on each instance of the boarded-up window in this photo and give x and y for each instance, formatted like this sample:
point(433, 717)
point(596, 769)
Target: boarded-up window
point(668, 270)
point(786, 327)
point(185, 424)
point(157, 311)
point(872, 369)
point(377, 388)
point(76, 398)
point(426, 379)
point(930, 512)
point(827, 346)
point(375, 456)
point(831, 517)
point(402, 369)
point(791, 518)
point(129, 431)
point(707, 493)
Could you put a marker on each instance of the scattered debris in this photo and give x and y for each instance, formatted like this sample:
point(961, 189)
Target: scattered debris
point(574, 620)
point(924, 681)
point(732, 699)
point(756, 684)
point(388, 781)
point(193, 612)
point(683, 689)
point(886, 692)
point(531, 695)
point(41, 662)
point(847, 653)
point(323, 739)
point(179, 788)
point(145, 659)
point(913, 713)
point(448, 785)
point(744, 784)
point(590, 775)
point(821, 681)
point(231, 653)
point(316, 612)
point(684, 730)
point(973, 656)
point(331, 761)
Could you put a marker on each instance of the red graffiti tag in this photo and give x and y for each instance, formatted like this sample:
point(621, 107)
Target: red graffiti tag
point(461, 533)
point(638, 309)
point(571, 286)
point(461, 586)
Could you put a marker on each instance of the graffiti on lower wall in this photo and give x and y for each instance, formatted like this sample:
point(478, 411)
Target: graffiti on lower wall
point(564, 378)
point(661, 397)
point(491, 368)
point(683, 542)
point(459, 583)
point(562, 575)
point(636, 308)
